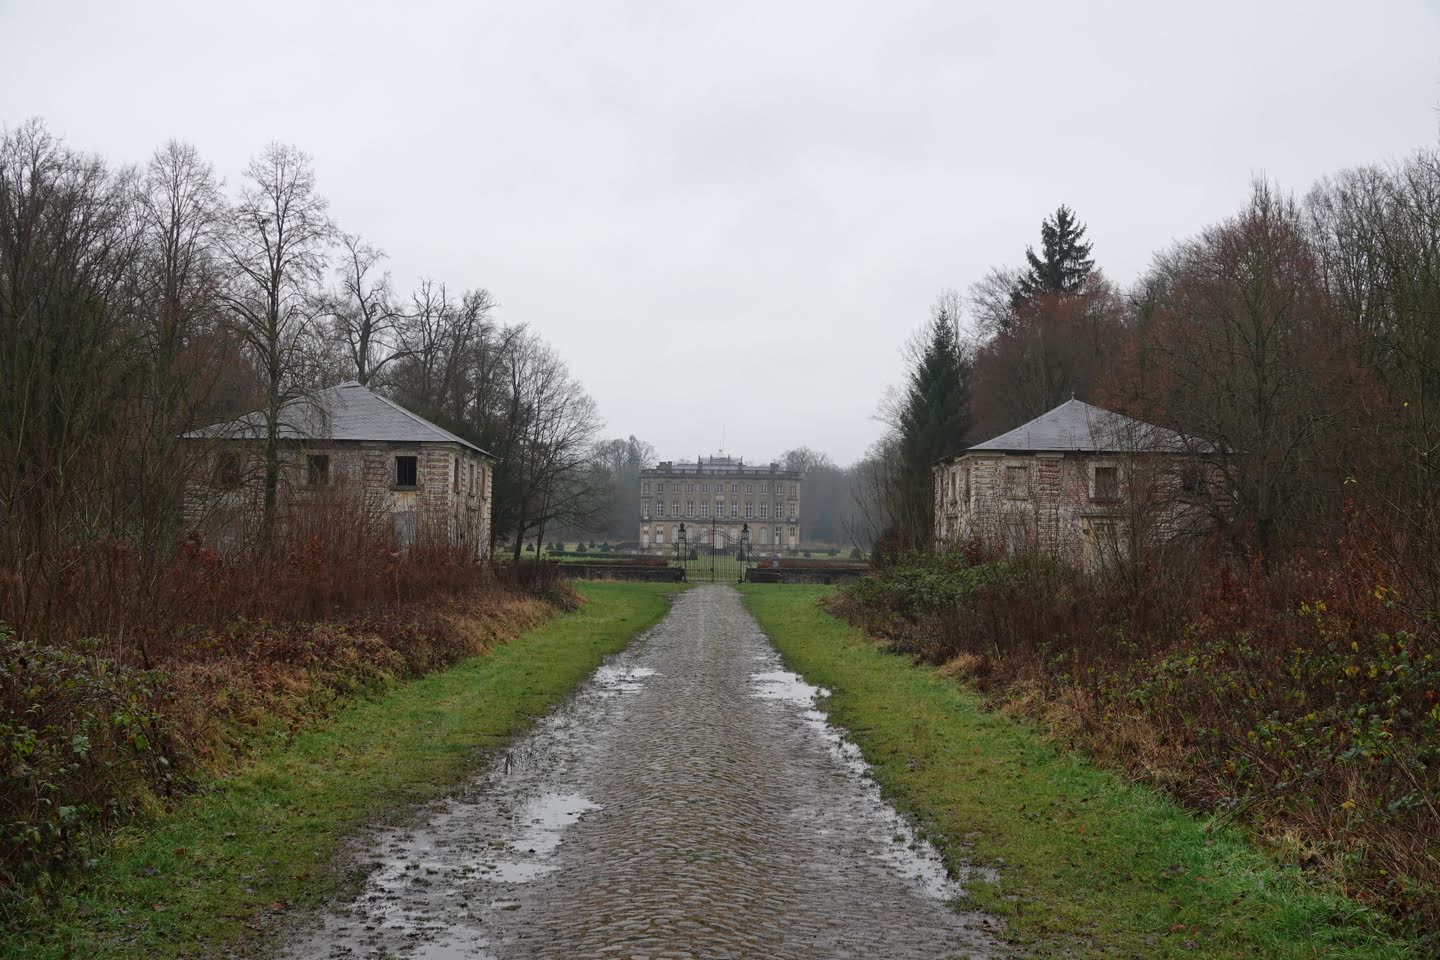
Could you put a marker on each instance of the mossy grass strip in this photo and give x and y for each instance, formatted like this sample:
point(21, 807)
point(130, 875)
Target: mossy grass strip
point(211, 877)
point(1090, 865)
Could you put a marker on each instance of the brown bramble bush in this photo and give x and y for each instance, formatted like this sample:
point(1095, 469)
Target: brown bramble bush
point(121, 678)
point(1299, 696)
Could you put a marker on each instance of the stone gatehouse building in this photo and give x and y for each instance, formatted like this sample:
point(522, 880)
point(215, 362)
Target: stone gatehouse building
point(1079, 482)
point(720, 500)
point(345, 443)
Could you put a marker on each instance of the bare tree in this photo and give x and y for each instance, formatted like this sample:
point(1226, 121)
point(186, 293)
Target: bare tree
point(616, 467)
point(1245, 359)
point(551, 461)
point(1377, 233)
point(364, 316)
point(992, 301)
point(179, 212)
point(879, 512)
point(274, 255)
point(68, 243)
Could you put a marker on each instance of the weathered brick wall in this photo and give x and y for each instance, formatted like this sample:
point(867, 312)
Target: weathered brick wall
point(1059, 501)
point(436, 507)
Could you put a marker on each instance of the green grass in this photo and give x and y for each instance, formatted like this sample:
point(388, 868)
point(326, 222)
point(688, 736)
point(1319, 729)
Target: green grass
point(1089, 864)
point(266, 840)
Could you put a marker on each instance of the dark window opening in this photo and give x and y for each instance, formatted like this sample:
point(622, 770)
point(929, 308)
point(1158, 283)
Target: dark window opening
point(1107, 483)
point(317, 469)
point(1192, 480)
point(406, 471)
point(227, 471)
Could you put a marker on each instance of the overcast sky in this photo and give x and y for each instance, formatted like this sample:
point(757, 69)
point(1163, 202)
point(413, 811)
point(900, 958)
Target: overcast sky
point(729, 216)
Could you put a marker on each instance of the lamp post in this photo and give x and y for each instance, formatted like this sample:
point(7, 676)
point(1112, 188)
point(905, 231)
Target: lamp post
point(715, 533)
point(744, 551)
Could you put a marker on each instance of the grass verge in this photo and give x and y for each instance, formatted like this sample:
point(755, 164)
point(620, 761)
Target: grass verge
point(211, 876)
point(1089, 864)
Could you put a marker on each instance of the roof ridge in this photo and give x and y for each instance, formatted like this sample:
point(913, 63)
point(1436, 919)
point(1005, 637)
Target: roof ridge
point(1045, 431)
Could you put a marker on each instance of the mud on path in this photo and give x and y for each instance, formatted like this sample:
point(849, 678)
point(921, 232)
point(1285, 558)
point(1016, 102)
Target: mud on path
point(690, 801)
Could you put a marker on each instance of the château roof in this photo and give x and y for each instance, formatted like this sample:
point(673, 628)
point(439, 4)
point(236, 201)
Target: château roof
point(1079, 427)
point(346, 411)
point(721, 464)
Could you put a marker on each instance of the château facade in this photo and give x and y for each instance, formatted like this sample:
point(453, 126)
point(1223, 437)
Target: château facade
point(719, 500)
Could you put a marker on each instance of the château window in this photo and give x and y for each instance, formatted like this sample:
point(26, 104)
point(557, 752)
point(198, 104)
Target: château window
point(407, 472)
point(749, 511)
point(689, 508)
point(764, 510)
point(317, 469)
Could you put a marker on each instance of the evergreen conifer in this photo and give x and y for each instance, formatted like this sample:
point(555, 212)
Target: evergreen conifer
point(1064, 260)
point(934, 422)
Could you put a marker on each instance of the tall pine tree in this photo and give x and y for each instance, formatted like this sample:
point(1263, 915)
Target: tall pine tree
point(934, 421)
point(1063, 263)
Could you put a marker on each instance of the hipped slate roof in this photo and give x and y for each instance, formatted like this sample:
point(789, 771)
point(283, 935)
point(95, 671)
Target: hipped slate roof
point(346, 411)
point(1079, 427)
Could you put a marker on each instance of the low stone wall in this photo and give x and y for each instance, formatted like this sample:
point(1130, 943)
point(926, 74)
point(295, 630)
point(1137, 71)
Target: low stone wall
point(802, 575)
point(615, 571)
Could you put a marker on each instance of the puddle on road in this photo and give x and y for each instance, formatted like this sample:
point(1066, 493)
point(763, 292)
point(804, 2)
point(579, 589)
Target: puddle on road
point(577, 835)
point(621, 679)
point(894, 840)
point(544, 819)
point(786, 686)
point(457, 948)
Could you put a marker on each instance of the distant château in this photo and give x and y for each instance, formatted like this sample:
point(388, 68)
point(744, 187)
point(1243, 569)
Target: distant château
point(719, 501)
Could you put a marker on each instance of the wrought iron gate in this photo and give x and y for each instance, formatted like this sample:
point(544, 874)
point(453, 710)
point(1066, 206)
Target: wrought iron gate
point(713, 551)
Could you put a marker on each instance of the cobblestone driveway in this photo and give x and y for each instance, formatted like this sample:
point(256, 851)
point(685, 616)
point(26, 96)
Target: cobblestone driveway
point(691, 801)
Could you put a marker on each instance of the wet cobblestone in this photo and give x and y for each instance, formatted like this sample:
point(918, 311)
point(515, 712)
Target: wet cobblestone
point(691, 801)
